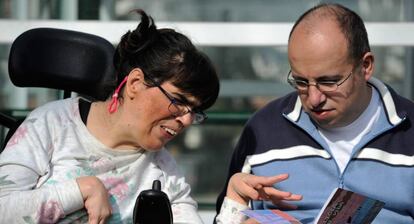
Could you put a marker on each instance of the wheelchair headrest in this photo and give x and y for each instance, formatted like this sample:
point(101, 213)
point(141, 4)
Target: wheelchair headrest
point(63, 59)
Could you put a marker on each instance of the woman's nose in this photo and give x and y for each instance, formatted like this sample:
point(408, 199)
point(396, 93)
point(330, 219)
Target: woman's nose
point(186, 119)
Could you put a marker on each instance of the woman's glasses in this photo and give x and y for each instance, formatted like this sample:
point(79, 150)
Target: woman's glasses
point(178, 108)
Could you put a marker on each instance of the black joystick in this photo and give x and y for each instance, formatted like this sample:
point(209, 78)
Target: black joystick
point(153, 206)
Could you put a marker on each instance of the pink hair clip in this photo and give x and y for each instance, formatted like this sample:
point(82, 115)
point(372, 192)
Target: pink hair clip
point(113, 106)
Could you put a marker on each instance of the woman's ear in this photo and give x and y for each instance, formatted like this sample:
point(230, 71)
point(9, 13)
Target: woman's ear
point(135, 83)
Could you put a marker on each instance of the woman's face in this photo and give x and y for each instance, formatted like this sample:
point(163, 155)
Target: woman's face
point(149, 122)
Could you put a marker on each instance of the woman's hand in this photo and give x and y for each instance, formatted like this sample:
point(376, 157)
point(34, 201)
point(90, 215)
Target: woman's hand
point(244, 187)
point(96, 199)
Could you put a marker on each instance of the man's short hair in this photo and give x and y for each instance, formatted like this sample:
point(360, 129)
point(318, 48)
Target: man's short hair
point(349, 23)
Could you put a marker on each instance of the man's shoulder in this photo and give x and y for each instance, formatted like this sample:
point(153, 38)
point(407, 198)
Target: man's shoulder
point(403, 105)
point(278, 106)
point(402, 101)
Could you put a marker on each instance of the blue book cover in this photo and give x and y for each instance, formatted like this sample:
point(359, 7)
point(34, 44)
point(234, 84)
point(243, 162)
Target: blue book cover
point(274, 216)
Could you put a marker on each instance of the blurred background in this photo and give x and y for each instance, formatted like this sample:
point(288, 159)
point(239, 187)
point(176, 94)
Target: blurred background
point(246, 40)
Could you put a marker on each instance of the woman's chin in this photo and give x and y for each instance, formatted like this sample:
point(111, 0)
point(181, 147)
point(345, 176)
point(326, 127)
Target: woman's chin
point(153, 150)
point(154, 147)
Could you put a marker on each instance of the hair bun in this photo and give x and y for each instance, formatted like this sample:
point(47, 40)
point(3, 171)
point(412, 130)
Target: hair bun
point(143, 35)
point(136, 41)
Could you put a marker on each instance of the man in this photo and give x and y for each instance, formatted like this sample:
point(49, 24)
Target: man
point(340, 128)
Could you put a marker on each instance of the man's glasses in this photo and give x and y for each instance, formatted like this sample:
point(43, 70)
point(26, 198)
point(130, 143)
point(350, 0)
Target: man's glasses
point(323, 86)
point(178, 108)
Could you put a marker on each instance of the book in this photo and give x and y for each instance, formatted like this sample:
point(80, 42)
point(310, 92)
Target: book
point(273, 216)
point(345, 206)
point(342, 206)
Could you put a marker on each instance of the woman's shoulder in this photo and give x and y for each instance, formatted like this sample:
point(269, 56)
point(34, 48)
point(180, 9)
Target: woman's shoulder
point(56, 107)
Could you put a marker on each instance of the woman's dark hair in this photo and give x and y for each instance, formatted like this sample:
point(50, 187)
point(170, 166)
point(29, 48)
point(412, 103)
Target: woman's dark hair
point(166, 55)
point(350, 24)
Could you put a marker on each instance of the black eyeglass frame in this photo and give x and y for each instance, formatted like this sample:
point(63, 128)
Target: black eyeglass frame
point(199, 116)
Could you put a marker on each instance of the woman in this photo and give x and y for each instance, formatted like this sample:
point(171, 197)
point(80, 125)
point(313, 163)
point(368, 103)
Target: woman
point(77, 161)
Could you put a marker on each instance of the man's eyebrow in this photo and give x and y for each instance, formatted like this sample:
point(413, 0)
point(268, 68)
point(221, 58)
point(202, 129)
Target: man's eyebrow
point(321, 77)
point(324, 77)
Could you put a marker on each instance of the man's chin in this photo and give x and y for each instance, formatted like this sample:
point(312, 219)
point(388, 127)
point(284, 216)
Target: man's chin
point(324, 123)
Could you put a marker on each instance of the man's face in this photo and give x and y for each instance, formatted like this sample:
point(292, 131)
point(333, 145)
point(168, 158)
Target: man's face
point(320, 53)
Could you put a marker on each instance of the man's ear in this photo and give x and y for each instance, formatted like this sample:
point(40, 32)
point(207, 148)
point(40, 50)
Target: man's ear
point(135, 83)
point(368, 65)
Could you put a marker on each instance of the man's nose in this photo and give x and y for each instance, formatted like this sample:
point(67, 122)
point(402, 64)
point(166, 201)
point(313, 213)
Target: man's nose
point(315, 96)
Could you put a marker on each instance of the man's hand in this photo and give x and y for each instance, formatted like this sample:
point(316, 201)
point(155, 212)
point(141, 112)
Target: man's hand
point(95, 197)
point(244, 187)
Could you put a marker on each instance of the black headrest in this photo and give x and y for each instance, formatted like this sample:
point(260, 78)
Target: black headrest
point(63, 59)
